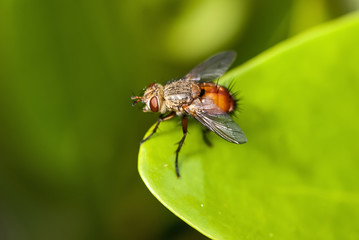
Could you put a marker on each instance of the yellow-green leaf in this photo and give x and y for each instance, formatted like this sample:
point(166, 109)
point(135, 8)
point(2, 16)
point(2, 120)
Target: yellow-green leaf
point(297, 177)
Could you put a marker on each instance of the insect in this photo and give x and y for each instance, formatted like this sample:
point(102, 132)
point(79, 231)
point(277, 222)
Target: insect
point(196, 95)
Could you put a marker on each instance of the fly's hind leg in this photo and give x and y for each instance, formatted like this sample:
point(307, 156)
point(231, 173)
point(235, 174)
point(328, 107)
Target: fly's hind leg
point(161, 119)
point(205, 132)
point(184, 129)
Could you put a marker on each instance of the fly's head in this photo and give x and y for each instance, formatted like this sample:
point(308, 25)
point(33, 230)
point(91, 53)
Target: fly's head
point(153, 99)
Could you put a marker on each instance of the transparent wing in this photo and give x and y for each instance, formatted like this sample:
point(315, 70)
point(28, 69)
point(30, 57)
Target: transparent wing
point(212, 68)
point(218, 121)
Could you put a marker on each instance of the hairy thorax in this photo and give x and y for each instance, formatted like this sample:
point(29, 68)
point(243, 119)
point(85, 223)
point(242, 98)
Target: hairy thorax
point(180, 94)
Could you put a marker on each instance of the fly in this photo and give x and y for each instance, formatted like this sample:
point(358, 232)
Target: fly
point(196, 95)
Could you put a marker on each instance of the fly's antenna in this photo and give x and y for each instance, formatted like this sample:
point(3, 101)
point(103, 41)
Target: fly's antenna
point(137, 100)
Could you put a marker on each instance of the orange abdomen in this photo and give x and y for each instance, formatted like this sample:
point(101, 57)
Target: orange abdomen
point(219, 95)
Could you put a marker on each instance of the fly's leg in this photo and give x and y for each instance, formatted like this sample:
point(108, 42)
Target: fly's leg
point(184, 129)
point(161, 119)
point(205, 132)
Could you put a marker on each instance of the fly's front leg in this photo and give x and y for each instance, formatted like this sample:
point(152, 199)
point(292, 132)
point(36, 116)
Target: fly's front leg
point(184, 129)
point(161, 119)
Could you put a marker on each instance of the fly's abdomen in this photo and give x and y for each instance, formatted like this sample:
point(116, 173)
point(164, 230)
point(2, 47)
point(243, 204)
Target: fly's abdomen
point(219, 95)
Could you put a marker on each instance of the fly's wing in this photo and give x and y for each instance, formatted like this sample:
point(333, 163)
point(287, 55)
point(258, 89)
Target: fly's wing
point(212, 68)
point(218, 121)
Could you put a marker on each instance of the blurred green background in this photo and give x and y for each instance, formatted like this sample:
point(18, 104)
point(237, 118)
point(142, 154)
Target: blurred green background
point(69, 136)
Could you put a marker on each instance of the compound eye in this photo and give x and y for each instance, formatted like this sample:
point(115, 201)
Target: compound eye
point(154, 104)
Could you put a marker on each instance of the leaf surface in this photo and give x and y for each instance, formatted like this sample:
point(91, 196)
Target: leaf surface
point(297, 177)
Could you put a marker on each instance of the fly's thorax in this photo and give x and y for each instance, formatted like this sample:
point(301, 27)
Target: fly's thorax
point(180, 93)
point(154, 99)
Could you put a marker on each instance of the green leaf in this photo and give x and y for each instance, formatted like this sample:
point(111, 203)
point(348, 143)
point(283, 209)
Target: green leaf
point(297, 177)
